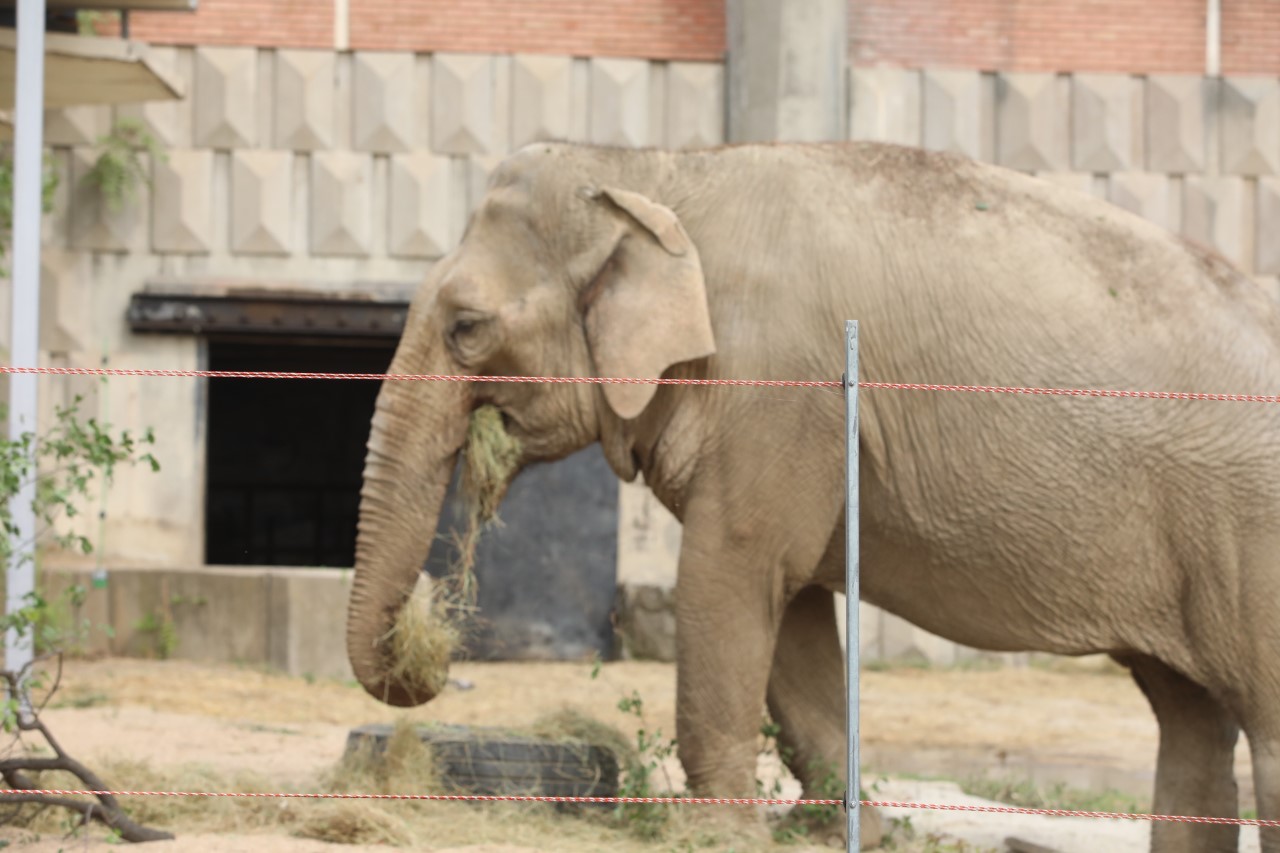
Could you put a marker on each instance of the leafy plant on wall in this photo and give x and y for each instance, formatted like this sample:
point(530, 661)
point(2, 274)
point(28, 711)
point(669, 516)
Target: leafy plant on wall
point(118, 172)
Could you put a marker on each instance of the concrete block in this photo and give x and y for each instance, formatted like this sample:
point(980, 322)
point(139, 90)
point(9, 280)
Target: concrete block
point(1031, 121)
point(958, 109)
point(169, 122)
point(1268, 227)
point(218, 614)
point(425, 205)
point(619, 102)
point(885, 105)
point(648, 538)
point(94, 225)
point(66, 301)
point(462, 104)
point(1250, 126)
point(304, 99)
point(262, 202)
point(1214, 213)
point(76, 125)
point(89, 623)
point(55, 226)
point(385, 109)
point(306, 611)
point(1078, 181)
point(1270, 284)
point(1102, 123)
point(1146, 194)
point(226, 97)
point(182, 203)
point(478, 170)
point(341, 203)
point(646, 622)
point(695, 104)
point(1175, 123)
point(786, 67)
point(541, 98)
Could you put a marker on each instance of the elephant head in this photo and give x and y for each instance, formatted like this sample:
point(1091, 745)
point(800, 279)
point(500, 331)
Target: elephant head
point(569, 267)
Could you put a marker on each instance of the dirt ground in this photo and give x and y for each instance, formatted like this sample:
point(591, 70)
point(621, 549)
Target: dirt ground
point(152, 722)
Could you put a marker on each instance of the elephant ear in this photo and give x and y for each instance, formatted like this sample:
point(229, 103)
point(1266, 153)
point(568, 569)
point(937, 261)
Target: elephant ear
point(646, 309)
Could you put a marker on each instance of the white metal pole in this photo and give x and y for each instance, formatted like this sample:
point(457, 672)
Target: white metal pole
point(852, 640)
point(28, 145)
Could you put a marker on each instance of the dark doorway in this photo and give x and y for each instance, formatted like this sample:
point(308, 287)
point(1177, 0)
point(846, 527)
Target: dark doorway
point(284, 469)
point(285, 456)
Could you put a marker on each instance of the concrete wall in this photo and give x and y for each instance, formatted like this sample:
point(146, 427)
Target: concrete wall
point(339, 170)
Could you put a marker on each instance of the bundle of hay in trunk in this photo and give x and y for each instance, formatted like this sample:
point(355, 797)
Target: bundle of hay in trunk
point(430, 626)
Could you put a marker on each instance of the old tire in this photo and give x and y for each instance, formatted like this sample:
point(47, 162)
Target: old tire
point(494, 762)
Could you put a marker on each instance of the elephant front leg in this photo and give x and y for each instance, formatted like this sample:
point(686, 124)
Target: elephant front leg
point(726, 625)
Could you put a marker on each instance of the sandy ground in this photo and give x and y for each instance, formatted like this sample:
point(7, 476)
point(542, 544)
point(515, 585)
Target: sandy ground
point(1086, 727)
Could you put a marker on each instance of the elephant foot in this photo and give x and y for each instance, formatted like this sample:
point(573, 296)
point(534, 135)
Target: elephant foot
point(826, 826)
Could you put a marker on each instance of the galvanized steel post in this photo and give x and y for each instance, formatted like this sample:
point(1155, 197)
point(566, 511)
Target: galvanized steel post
point(851, 587)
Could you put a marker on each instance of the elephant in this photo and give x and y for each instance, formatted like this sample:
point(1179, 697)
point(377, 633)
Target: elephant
point(1145, 529)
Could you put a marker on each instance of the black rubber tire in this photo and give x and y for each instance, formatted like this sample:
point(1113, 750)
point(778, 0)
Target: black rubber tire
point(493, 762)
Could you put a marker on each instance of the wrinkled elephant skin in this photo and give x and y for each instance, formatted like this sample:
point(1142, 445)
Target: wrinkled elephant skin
point(1146, 529)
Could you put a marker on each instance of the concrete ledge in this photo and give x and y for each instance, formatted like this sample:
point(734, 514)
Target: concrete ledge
point(291, 619)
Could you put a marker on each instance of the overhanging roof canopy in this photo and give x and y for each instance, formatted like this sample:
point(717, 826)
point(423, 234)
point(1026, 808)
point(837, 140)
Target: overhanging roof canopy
point(81, 70)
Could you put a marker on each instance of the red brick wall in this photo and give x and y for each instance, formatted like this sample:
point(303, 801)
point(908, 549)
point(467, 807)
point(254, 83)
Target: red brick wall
point(1251, 36)
point(1033, 35)
point(264, 23)
point(1010, 35)
point(652, 29)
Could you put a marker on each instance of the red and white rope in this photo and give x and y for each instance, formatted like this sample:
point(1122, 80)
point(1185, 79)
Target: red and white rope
point(697, 801)
point(599, 380)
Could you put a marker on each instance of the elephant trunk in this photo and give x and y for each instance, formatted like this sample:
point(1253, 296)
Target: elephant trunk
point(417, 431)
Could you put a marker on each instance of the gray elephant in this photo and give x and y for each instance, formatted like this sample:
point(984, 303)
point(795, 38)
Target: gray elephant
point(1146, 529)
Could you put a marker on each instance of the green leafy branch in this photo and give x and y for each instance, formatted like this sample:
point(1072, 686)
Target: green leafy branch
point(121, 165)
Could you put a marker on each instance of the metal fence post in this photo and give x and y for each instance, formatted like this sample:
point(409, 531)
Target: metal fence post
point(851, 588)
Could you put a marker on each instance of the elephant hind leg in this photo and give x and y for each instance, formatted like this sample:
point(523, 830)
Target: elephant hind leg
point(1194, 769)
point(806, 699)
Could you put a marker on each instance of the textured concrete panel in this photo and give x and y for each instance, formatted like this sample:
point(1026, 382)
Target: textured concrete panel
point(226, 82)
point(958, 113)
point(619, 102)
point(66, 302)
point(1214, 213)
point(261, 202)
point(462, 105)
point(182, 203)
point(1271, 285)
point(478, 170)
point(1102, 135)
point(423, 201)
point(1078, 181)
point(1175, 129)
point(304, 118)
point(695, 104)
point(385, 111)
point(341, 203)
point(1268, 230)
point(1250, 126)
point(1031, 122)
point(1146, 194)
point(76, 125)
point(168, 121)
point(885, 105)
point(94, 226)
point(541, 98)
